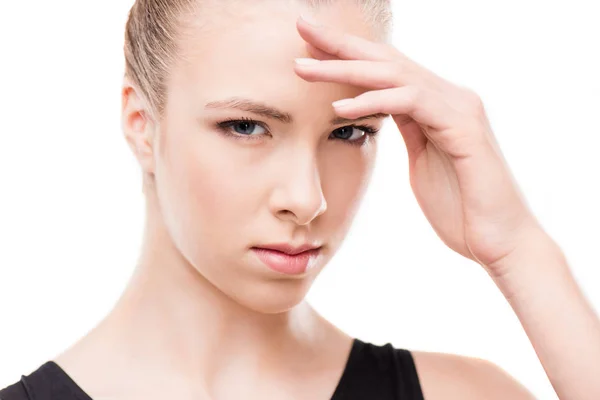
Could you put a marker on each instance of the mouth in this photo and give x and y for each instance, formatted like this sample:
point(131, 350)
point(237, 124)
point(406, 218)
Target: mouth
point(290, 249)
point(286, 263)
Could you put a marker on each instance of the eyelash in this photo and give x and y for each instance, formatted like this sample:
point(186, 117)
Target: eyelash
point(224, 127)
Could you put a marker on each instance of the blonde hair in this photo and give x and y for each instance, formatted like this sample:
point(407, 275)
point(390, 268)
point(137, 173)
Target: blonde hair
point(153, 29)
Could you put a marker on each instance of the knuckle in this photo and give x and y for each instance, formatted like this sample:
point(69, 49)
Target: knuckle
point(473, 100)
point(395, 72)
point(398, 67)
point(390, 51)
point(414, 94)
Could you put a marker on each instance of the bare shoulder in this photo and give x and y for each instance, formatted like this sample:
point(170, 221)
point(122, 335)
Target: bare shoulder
point(450, 376)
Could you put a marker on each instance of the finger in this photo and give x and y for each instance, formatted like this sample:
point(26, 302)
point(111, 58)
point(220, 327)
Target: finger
point(414, 137)
point(453, 132)
point(424, 106)
point(319, 54)
point(343, 45)
point(370, 74)
point(407, 71)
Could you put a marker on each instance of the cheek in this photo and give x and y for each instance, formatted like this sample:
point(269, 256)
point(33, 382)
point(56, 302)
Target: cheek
point(209, 193)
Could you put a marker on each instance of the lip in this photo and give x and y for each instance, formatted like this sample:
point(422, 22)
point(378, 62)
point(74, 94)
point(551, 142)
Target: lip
point(288, 248)
point(290, 264)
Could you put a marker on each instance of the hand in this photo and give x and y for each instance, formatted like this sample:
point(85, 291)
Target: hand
point(457, 171)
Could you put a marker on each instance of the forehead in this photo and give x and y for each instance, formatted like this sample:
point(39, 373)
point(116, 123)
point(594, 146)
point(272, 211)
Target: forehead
point(249, 50)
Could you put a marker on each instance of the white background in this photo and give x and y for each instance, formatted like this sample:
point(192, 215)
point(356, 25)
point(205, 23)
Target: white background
point(71, 205)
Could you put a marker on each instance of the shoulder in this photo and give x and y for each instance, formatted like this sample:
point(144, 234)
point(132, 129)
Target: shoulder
point(450, 376)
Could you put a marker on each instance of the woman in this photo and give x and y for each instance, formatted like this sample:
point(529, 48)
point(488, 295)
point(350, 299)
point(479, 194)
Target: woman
point(250, 189)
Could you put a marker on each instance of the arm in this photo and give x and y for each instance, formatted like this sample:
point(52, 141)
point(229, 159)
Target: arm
point(465, 189)
point(560, 323)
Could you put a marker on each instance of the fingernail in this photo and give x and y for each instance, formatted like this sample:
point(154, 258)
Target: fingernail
point(306, 61)
point(310, 20)
point(342, 103)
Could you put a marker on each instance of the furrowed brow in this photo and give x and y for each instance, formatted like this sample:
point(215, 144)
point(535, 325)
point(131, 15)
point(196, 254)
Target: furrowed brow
point(342, 120)
point(262, 109)
point(251, 106)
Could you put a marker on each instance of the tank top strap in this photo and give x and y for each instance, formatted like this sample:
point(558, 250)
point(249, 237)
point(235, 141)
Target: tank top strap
point(380, 372)
point(48, 382)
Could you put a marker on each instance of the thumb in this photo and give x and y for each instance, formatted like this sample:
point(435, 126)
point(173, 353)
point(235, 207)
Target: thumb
point(413, 135)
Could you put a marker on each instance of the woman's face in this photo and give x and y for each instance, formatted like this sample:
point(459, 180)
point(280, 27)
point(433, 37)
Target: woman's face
point(291, 177)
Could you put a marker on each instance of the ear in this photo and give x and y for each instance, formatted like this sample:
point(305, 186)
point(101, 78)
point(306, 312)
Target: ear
point(138, 125)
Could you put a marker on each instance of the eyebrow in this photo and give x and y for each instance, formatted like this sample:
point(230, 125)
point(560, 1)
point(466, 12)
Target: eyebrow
point(264, 110)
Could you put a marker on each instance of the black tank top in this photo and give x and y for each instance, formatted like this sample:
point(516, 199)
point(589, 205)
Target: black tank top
point(372, 372)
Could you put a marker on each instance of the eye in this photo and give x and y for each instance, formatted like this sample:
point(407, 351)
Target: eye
point(354, 134)
point(242, 127)
point(249, 129)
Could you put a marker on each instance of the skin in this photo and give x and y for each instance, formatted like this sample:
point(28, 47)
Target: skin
point(465, 189)
point(227, 322)
point(207, 320)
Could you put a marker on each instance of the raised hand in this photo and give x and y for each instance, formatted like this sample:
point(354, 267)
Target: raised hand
point(457, 171)
point(465, 189)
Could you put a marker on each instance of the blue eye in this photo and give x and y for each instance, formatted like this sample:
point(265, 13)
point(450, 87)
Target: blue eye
point(347, 132)
point(249, 129)
point(355, 134)
point(243, 127)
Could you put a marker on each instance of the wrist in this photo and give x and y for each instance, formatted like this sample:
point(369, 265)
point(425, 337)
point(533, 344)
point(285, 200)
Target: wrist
point(538, 258)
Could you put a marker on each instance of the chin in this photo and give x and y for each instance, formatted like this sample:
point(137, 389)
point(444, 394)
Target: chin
point(272, 296)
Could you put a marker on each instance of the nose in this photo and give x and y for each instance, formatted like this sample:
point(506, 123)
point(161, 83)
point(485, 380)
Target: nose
point(298, 195)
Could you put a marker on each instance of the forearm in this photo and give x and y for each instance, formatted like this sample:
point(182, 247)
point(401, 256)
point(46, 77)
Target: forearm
point(560, 323)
